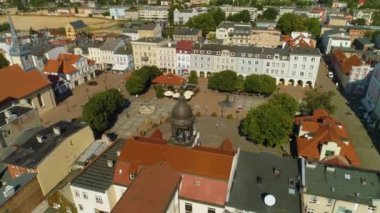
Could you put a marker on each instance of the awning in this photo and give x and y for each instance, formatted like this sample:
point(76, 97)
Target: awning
point(119, 67)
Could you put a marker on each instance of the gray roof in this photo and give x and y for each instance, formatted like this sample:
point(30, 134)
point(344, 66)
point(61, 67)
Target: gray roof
point(126, 50)
point(186, 31)
point(78, 24)
point(259, 174)
point(364, 41)
point(39, 48)
point(242, 30)
point(130, 30)
point(98, 176)
point(150, 39)
point(30, 153)
point(231, 24)
point(148, 27)
point(344, 183)
point(17, 111)
point(111, 44)
point(252, 51)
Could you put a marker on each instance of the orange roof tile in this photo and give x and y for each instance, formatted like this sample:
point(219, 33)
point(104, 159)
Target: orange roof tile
point(349, 63)
point(227, 145)
point(169, 79)
point(63, 64)
point(152, 191)
point(145, 151)
point(323, 128)
point(339, 55)
point(204, 190)
point(15, 83)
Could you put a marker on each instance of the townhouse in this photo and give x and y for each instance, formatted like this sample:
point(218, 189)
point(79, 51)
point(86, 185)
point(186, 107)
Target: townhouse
point(68, 71)
point(107, 51)
point(146, 51)
point(290, 66)
point(118, 13)
point(351, 70)
point(75, 29)
point(183, 16)
point(149, 30)
point(183, 50)
point(320, 137)
point(234, 33)
point(154, 12)
point(26, 88)
point(232, 10)
point(166, 59)
point(335, 38)
point(189, 34)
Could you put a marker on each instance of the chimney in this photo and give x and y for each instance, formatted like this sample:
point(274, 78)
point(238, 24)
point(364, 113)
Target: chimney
point(7, 113)
point(109, 163)
point(118, 153)
point(57, 130)
point(40, 138)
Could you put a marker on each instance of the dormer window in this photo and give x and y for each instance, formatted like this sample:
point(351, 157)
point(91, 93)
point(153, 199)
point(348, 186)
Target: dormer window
point(232, 54)
point(202, 51)
point(269, 56)
point(195, 51)
point(208, 52)
point(218, 53)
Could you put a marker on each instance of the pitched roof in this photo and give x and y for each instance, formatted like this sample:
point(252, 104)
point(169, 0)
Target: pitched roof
point(169, 79)
point(339, 55)
point(186, 31)
point(144, 151)
point(152, 191)
point(112, 44)
point(16, 83)
point(78, 24)
point(204, 190)
point(347, 65)
point(147, 27)
point(184, 45)
point(321, 128)
point(65, 63)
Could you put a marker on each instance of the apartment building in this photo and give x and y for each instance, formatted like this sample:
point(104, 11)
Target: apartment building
point(118, 13)
point(146, 51)
point(234, 33)
point(167, 57)
point(154, 12)
point(183, 16)
point(232, 10)
point(183, 50)
point(352, 71)
point(149, 30)
point(188, 34)
point(294, 66)
point(335, 38)
point(329, 188)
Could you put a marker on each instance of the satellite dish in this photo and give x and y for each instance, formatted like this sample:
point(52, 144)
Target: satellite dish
point(269, 200)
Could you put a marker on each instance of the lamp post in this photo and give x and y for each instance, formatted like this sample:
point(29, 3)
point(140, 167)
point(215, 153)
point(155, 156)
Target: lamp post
point(206, 108)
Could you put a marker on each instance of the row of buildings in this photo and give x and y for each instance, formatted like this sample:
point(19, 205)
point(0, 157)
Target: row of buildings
point(295, 65)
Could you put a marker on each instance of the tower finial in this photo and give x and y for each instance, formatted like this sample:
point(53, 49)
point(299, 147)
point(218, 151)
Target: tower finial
point(13, 30)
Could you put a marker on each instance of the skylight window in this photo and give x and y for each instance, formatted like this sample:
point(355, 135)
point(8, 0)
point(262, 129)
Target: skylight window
point(347, 176)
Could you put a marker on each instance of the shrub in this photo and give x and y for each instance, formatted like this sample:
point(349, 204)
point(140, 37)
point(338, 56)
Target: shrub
point(214, 114)
point(229, 116)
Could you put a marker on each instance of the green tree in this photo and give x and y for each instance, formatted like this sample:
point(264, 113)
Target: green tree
point(290, 22)
point(264, 84)
point(4, 27)
point(242, 16)
point(193, 77)
point(240, 83)
point(286, 102)
point(218, 15)
point(141, 79)
point(359, 21)
point(252, 83)
point(268, 124)
point(3, 61)
point(270, 14)
point(376, 19)
point(313, 26)
point(171, 13)
point(159, 92)
point(224, 81)
point(204, 22)
point(315, 99)
point(101, 109)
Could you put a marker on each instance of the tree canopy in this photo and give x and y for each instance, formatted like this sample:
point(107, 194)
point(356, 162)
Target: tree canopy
point(4, 27)
point(193, 77)
point(376, 19)
point(101, 109)
point(242, 16)
point(264, 84)
point(218, 15)
point(141, 79)
point(224, 81)
point(3, 61)
point(315, 99)
point(271, 123)
point(290, 22)
point(270, 14)
point(204, 22)
point(359, 21)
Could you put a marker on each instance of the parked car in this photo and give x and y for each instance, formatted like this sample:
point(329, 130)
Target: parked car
point(331, 74)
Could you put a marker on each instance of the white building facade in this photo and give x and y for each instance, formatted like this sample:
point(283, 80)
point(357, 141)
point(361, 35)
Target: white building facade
point(154, 12)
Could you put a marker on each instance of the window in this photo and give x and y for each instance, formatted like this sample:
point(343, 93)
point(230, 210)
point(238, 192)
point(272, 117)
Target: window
point(296, 58)
point(188, 207)
point(301, 74)
point(85, 196)
point(311, 67)
point(303, 67)
point(211, 210)
point(98, 199)
point(329, 153)
point(304, 59)
point(77, 194)
point(80, 207)
point(40, 100)
point(312, 59)
point(310, 74)
point(268, 64)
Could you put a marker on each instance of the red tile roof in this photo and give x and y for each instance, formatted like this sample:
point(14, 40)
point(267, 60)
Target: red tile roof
point(169, 79)
point(349, 63)
point(204, 190)
point(145, 151)
point(152, 191)
point(184, 45)
point(15, 83)
point(339, 55)
point(65, 63)
point(227, 145)
point(322, 128)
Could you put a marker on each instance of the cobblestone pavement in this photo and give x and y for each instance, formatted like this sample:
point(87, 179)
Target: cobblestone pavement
point(360, 138)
